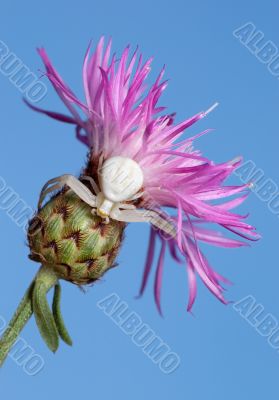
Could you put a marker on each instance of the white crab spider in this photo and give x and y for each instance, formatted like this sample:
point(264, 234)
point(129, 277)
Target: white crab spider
point(121, 179)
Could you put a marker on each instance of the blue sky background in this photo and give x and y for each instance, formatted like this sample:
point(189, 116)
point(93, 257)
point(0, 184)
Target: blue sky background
point(222, 356)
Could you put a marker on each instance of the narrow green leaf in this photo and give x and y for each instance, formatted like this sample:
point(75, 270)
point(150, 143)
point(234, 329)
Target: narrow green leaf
point(17, 323)
point(44, 317)
point(56, 309)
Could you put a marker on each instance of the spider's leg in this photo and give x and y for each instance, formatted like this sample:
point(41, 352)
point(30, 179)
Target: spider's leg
point(93, 184)
point(74, 184)
point(49, 186)
point(45, 192)
point(53, 180)
point(163, 224)
point(145, 216)
point(125, 206)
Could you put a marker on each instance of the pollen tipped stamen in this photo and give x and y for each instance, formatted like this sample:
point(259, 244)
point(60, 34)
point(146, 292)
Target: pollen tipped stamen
point(211, 109)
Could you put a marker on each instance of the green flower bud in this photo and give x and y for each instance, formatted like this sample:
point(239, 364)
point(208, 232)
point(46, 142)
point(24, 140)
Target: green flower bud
point(76, 244)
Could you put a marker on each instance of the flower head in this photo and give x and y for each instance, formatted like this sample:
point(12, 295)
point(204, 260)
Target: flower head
point(123, 118)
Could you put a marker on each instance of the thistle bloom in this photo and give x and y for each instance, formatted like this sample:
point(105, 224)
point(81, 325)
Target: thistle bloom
point(139, 166)
point(123, 118)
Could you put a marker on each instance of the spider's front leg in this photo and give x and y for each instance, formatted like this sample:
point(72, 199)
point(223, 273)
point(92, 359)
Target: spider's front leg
point(144, 216)
point(125, 206)
point(74, 184)
point(93, 184)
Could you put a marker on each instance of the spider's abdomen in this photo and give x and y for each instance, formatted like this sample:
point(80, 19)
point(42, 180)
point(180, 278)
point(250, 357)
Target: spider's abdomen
point(78, 245)
point(121, 178)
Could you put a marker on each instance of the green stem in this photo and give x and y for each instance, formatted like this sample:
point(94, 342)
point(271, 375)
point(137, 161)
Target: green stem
point(24, 311)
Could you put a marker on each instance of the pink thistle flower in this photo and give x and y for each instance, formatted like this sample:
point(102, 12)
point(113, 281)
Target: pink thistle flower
point(122, 118)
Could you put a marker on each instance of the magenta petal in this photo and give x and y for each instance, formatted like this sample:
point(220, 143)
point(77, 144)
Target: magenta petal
point(149, 261)
point(52, 114)
point(159, 276)
point(192, 281)
point(80, 137)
